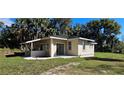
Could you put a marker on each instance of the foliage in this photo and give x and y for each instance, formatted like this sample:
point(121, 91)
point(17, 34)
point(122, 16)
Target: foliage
point(119, 47)
point(26, 29)
point(103, 31)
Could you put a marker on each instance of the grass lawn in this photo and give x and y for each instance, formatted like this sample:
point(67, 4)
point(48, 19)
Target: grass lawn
point(102, 63)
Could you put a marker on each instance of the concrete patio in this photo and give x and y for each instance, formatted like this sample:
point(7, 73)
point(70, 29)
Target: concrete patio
point(45, 58)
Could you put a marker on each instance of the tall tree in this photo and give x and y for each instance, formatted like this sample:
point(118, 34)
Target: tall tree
point(30, 28)
point(25, 29)
point(104, 31)
point(1, 27)
point(62, 25)
point(1, 24)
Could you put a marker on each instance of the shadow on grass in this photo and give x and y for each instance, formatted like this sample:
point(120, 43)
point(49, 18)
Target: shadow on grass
point(105, 59)
point(15, 54)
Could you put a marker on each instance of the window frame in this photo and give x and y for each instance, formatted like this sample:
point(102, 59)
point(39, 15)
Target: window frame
point(69, 45)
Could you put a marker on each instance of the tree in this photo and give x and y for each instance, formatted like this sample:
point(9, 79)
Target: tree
point(25, 29)
point(77, 30)
point(2, 26)
point(61, 25)
point(30, 28)
point(104, 31)
point(119, 47)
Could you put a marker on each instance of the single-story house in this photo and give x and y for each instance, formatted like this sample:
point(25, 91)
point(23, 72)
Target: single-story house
point(57, 46)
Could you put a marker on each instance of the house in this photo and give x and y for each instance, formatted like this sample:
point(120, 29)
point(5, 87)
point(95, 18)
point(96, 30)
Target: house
point(57, 46)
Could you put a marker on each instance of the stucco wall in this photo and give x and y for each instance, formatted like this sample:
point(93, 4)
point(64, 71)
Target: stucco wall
point(88, 51)
point(53, 48)
point(74, 47)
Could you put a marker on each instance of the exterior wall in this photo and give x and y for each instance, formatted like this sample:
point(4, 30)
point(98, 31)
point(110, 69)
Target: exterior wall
point(88, 51)
point(74, 47)
point(53, 48)
point(38, 53)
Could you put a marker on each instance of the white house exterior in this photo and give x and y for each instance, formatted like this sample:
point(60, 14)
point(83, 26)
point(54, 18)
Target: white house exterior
point(57, 46)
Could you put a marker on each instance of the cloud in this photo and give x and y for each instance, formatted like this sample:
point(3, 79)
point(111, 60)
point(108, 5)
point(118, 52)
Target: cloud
point(7, 21)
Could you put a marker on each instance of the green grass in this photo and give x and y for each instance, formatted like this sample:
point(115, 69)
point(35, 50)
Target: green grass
point(109, 55)
point(103, 63)
point(17, 65)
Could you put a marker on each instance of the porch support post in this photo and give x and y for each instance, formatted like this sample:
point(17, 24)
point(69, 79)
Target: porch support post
point(51, 48)
point(31, 46)
point(26, 47)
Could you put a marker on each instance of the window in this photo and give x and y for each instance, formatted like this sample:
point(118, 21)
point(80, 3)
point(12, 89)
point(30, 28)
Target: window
point(44, 47)
point(69, 45)
point(41, 47)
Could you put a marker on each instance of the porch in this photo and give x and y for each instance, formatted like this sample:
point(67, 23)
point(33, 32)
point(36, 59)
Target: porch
point(45, 47)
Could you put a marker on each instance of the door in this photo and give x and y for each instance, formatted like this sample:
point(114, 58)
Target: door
point(60, 49)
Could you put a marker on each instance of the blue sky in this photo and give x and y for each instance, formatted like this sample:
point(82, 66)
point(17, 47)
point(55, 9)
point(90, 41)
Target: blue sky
point(9, 21)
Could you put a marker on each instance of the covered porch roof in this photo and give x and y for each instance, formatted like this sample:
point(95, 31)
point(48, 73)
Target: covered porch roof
point(45, 38)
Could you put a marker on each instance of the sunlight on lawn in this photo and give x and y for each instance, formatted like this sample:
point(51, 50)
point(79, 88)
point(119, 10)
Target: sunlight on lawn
point(102, 63)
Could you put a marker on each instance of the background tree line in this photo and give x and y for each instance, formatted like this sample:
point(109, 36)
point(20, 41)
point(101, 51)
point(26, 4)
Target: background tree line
point(103, 31)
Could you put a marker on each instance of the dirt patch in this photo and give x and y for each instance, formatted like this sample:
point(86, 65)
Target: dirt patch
point(60, 69)
point(71, 69)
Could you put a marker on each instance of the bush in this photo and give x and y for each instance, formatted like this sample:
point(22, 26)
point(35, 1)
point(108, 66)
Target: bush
point(122, 51)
